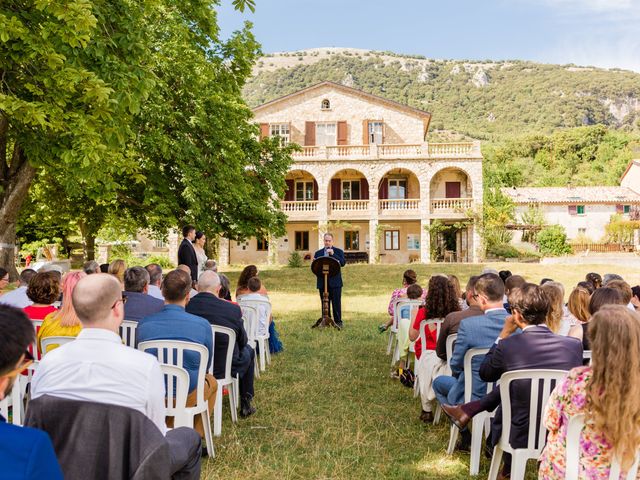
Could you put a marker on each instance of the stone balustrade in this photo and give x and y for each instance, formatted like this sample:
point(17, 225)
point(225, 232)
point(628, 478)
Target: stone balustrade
point(450, 205)
point(348, 205)
point(402, 204)
point(300, 206)
point(390, 151)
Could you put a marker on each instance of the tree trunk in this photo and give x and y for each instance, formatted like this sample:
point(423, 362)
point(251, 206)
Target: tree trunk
point(15, 180)
point(88, 240)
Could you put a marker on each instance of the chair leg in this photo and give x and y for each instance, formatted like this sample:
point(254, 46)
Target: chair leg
point(236, 390)
point(16, 401)
point(256, 367)
point(390, 342)
point(518, 465)
point(232, 402)
point(437, 415)
point(477, 429)
point(206, 424)
point(263, 356)
point(453, 438)
point(268, 353)
point(496, 459)
point(217, 413)
point(416, 387)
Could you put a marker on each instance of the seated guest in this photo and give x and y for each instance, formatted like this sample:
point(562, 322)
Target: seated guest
point(513, 282)
point(536, 347)
point(607, 393)
point(225, 287)
point(249, 271)
point(104, 268)
point(594, 279)
point(558, 320)
point(601, 297)
point(25, 453)
point(409, 277)
point(441, 301)
point(98, 367)
point(254, 287)
point(173, 323)
point(210, 265)
point(43, 291)
point(609, 277)
point(456, 287)
point(18, 297)
point(117, 269)
point(635, 299)
point(578, 304)
point(185, 268)
point(63, 322)
point(588, 286)
point(4, 279)
point(155, 280)
point(91, 267)
point(545, 280)
point(479, 331)
point(139, 304)
point(405, 320)
point(625, 289)
point(217, 311)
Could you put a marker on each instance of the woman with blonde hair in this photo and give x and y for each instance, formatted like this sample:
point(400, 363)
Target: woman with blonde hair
point(117, 268)
point(63, 322)
point(579, 304)
point(607, 392)
point(453, 280)
point(557, 321)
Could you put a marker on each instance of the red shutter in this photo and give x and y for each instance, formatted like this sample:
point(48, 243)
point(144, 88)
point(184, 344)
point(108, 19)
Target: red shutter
point(573, 209)
point(364, 189)
point(309, 134)
point(335, 189)
point(619, 209)
point(452, 189)
point(365, 132)
point(315, 189)
point(383, 191)
point(264, 130)
point(342, 134)
point(290, 192)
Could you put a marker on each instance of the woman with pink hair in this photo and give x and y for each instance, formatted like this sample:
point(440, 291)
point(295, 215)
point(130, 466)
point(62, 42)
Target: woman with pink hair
point(63, 322)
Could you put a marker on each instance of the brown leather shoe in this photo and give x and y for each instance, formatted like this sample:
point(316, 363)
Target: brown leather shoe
point(503, 476)
point(456, 415)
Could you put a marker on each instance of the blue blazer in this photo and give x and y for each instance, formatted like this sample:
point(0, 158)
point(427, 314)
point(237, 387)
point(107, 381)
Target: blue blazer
point(334, 282)
point(26, 454)
point(474, 332)
point(139, 305)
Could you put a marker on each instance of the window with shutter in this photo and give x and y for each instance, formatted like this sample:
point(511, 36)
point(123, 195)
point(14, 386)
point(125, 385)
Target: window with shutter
point(342, 134)
point(573, 210)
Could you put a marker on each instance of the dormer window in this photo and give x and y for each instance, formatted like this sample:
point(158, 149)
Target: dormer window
point(326, 104)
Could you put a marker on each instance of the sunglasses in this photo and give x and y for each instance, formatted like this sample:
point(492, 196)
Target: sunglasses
point(27, 361)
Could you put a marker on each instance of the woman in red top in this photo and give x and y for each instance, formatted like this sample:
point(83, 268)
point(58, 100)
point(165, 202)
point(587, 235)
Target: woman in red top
point(43, 290)
point(441, 300)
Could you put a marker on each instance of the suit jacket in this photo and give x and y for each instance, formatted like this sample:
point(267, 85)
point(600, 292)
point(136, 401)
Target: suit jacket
point(187, 256)
point(474, 332)
point(101, 441)
point(139, 305)
point(27, 453)
point(536, 347)
point(450, 326)
point(334, 282)
point(225, 314)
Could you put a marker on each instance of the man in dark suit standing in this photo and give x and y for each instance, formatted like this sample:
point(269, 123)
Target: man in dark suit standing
point(216, 311)
point(335, 283)
point(186, 252)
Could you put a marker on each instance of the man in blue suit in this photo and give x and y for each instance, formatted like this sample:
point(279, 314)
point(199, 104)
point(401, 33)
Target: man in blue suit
point(25, 453)
point(335, 283)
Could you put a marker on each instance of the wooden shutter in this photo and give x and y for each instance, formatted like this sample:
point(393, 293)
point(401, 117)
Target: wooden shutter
point(383, 191)
point(335, 189)
point(365, 132)
point(289, 194)
point(452, 189)
point(309, 134)
point(342, 134)
point(315, 189)
point(364, 189)
point(619, 209)
point(573, 209)
point(264, 130)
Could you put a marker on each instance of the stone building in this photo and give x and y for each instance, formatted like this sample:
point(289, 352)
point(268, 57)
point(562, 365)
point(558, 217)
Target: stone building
point(367, 174)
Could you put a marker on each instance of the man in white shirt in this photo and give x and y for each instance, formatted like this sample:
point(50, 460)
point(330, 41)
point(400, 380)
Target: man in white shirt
point(18, 297)
point(155, 280)
point(98, 367)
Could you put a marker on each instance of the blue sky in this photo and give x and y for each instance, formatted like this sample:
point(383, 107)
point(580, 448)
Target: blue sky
point(604, 33)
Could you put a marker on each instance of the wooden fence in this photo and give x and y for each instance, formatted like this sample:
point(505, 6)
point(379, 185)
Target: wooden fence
point(602, 247)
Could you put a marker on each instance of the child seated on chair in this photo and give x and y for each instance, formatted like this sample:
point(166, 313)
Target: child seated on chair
point(407, 314)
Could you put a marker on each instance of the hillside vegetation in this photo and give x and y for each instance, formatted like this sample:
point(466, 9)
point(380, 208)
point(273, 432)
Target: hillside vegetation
point(540, 124)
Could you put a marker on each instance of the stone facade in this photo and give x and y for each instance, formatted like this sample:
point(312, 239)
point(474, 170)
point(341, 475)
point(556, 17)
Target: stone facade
point(373, 180)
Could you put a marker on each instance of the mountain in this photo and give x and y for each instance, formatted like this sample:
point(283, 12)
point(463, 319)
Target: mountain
point(488, 100)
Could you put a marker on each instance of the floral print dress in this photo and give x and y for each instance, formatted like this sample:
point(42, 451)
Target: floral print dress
point(569, 399)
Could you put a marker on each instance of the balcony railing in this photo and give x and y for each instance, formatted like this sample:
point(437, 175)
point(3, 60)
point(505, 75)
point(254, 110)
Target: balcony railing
point(300, 206)
point(390, 151)
point(403, 204)
point(348, 205)
point(448, 205)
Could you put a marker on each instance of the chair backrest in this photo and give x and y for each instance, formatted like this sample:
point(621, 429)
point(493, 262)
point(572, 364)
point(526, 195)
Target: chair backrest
point(399, 306)
point(586, 355)
point(432, 322)
point(542, 383)
point(128, 332)
point(262, 306)
point(250, 321)
point(176, 380)
point(468, 371)
point(171, 352)
point(574, 430)
point(33, 348)
point(451, 340)
point(215, 330)
point(55, 342)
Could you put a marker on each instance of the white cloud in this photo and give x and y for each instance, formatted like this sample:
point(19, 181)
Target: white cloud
point(601, 6)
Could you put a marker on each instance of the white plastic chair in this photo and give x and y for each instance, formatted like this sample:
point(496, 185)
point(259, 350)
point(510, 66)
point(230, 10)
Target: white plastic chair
point(171, 352)
point(586, 355)
point(15, 401)
point(47, 342)
point(33, 348)
point(423, 341)
point(451, 340)
point(574, 430)
point(250, 322)
point(263, 305)
point(128, 332)
point(232, 383)
point(537, 432)
point(414, 305)
point(393, 330)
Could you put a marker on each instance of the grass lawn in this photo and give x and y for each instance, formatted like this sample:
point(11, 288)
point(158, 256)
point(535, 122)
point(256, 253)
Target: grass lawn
point(327, 408)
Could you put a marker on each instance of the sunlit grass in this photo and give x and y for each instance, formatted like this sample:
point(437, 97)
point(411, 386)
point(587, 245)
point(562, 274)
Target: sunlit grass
point(327, 408)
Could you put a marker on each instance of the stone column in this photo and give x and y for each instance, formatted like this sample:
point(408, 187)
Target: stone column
point(272, 250)
point(477, 183)
point(173, 242)
point(374, 247)
point(224, 252)
point(103, 253)
point(323, 209)
point(425, 215)
point(425, 241)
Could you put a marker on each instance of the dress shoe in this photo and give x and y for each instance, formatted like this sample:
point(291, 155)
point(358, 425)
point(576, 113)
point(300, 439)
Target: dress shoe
point(456, 415)
point(464, 444)
point(426, 417)
point(247, 411)
point(503, 476)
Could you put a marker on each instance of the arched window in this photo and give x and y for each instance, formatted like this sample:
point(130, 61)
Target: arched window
point(326, 104)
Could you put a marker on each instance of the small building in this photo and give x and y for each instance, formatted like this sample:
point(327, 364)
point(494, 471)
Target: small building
point(367, 174)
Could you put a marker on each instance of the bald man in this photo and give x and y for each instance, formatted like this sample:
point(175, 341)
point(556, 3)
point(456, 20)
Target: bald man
point(98, 367)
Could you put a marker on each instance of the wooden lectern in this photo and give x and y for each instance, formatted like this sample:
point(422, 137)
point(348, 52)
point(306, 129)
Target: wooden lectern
point(325, 267)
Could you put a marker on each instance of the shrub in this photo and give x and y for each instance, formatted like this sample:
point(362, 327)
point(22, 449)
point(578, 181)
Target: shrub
point(161, 260)
point(504, 250)
point(552, 240)
point(295, 260)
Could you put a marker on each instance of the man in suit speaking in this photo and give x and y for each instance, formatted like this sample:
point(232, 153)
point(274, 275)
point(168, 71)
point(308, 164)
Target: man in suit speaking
point(335, 283)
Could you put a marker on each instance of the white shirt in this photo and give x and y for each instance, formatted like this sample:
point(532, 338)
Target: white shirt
point(16, 298)
point(98, 367)
point(155, 292)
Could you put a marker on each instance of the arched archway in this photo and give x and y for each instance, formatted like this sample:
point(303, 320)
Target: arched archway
point(399, 189)
point(450, 182)
point(301, 186)
point(348, 185)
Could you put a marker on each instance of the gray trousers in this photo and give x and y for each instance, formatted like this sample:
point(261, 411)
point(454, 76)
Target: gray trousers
point(184, 447)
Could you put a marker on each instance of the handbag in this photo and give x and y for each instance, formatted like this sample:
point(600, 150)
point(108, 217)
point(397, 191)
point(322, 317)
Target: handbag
point(407, 377)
